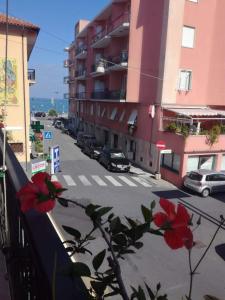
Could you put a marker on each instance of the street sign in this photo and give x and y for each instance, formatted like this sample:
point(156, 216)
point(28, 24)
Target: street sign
point(160, 145)
point(166, 151)
point(55, 161)
point(48, 135)
point(38, 167)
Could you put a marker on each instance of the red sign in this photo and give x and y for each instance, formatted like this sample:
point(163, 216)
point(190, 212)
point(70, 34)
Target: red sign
point(160, 145)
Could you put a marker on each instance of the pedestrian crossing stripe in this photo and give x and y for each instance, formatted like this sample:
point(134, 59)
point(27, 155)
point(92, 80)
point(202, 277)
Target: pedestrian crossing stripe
point(107, 180)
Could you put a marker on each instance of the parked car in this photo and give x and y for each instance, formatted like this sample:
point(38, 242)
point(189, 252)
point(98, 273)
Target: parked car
point(58, 124)
point(92, 148)
point(40, 114)
point(83, 137)
point(205, 182)
point(114, 160)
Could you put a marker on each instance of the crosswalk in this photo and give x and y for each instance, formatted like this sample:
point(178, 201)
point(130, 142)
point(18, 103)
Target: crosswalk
point(102, 181)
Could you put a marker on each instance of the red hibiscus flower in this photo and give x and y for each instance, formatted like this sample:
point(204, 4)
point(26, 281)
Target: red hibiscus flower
point(177, 233)
point(39, 194)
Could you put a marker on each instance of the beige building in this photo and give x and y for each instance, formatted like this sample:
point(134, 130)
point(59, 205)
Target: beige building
point(22, 36)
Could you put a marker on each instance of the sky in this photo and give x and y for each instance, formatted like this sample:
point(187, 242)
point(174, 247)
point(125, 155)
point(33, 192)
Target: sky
point(56, 19)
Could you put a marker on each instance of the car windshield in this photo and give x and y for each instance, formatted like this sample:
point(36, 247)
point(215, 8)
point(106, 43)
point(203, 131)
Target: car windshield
point(117, 155)
point(195, 176)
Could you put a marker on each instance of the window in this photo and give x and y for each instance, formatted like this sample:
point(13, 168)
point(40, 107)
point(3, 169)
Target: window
point(188, 37)
point(200, 162)
point(171, 161)
point(185, 80)
point(223, 163)
point(113, 114)
point(92, 109)
point(196, 1)
point(215, 177)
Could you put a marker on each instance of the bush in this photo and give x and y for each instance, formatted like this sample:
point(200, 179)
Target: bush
point(53, 113)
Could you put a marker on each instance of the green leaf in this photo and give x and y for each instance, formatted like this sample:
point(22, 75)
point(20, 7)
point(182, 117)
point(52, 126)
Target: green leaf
point(98, 259)
point(102, 211)
point(110, 216)
point(153, 204)
point(120, 239)
point(138, 245)
point(115, 225)
point(60, 190)
point(165, 298)
point(99, 287)
point(90, 209)
point(77, 269)
point(155, 232)
point(147, 214)
point(158, 287)
point(51, 187)
point(141, 294)
point(150, 292)
point(63, 202)
point(72, 231)
point(131, 222)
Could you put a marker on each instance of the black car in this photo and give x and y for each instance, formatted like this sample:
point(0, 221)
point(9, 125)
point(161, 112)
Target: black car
point(114, 160)
point(40, 114)
point(83, 137)
point(92, 148)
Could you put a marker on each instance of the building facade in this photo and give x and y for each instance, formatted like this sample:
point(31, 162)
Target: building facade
point(145, 71)
point(14, 96)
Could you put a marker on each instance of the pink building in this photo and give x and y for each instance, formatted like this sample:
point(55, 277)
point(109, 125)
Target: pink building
point(146, 70)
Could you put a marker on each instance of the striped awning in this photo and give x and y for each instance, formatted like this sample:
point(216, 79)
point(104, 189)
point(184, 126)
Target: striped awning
point(197, 112)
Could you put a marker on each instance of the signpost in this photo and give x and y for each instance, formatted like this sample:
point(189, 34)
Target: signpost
point(38, 167)
point(161, 145)
point(48, 135)
point(55, 161)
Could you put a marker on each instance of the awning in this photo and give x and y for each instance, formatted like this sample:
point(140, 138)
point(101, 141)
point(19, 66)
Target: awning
point(133, 117)
point(198, 112)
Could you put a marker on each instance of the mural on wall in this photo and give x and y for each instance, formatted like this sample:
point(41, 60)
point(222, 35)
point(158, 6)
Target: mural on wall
point(12, 88)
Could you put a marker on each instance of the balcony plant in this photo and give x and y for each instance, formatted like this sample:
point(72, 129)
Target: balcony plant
point(178, 128)
point(174, 224)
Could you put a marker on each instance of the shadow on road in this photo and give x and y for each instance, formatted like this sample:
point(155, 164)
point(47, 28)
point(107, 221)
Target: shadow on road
point(171, 194)
point(219, 196)
point(220, 250)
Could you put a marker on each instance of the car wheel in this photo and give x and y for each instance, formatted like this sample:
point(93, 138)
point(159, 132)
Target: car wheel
point(205, 193)
point(109, 167)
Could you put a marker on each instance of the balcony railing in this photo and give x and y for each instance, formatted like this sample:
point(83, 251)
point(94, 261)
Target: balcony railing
point(81, 95)
point(81, 52)
point(31, 246)
point(109, 95)
point(122, 20)
point(66, 79)
point(31, 75)
point(80, 74)
point(118, 62)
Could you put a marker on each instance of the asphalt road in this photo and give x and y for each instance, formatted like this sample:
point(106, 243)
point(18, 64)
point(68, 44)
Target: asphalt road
point(86, 179)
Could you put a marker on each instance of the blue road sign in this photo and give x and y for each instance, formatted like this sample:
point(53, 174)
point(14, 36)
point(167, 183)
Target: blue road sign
point(55, 162)
point(48, 135)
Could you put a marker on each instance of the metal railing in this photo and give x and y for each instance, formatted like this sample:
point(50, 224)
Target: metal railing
point(110, 95)
point(81, 95)
point(81, 73)
point(117, 60)
point(31, 74)
point(33, 251)
point(81, 49)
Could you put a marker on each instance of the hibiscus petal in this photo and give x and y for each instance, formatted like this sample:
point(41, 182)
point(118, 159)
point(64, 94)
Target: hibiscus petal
point(28, 188)
point(188, 238)
point(57, 186)
point(182, 217)
point(45, 206)
point(27, 201)
point(160, 219)
point(173, 240)
point(39, 178)
point(169, 208)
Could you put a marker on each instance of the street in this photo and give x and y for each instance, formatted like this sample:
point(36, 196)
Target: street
point(86, 179)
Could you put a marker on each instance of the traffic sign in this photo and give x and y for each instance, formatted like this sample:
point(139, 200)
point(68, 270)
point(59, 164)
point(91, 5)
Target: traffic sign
point(48, 135)
point(160, 145)
point(55, 166)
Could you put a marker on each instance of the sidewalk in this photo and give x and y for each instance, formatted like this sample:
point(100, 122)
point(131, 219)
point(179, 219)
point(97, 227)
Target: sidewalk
point(150, 177)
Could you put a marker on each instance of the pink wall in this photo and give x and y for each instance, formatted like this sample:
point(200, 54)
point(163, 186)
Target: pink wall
point(206, 59)
point(144, 50)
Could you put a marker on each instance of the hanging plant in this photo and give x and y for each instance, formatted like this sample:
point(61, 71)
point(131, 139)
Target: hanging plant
point(213, 135)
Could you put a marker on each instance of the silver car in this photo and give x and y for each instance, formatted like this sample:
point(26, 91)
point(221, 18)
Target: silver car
point(205, 182)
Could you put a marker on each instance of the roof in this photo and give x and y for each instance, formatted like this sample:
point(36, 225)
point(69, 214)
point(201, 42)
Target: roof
point(198, 112)
point(17, 22)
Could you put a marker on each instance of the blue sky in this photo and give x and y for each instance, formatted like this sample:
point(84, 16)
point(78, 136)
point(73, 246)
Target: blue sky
point(55, 18)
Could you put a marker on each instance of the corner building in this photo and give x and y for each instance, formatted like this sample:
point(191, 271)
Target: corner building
point(145, 71)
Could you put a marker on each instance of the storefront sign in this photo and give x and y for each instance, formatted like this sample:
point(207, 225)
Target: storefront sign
point(38, 167)
point(55, 166)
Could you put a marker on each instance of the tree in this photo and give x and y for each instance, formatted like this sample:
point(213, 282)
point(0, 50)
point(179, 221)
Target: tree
point(52, 113)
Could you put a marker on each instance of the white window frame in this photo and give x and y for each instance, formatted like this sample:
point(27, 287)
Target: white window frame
point(188, 36)
point(195, 1)
point(113, 113)
point(188, 84)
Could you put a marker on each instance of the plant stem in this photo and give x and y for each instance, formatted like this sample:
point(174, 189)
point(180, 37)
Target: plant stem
point(116, 264)
point(191, 274)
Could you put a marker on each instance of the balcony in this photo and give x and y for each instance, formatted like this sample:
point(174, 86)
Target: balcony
point(66, 80)
point(31, 76)
point(98, 69)
point(67, 63)
point(118, 63)
point(81, 74)
point(81, 52)
point(81, 95)
point(30, 246)
point(116, 95)
point(119, 27)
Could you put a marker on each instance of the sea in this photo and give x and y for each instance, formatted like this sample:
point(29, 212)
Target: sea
point(45, 104)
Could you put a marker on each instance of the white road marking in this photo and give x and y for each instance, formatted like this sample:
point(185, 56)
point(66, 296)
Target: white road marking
point(113, 181)
point(141, 181)
point(69, 180)
point(98, 180)
point(84, 180)
point(54, 178)
point(127, 181)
